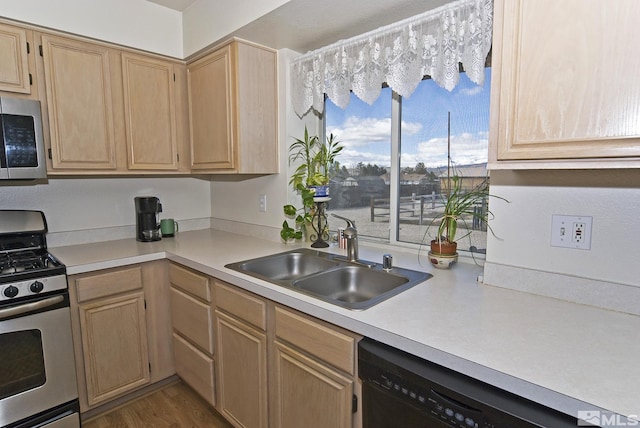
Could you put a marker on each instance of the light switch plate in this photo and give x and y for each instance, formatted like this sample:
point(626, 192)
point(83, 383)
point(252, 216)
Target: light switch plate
point(262, 203)
point(570, 231)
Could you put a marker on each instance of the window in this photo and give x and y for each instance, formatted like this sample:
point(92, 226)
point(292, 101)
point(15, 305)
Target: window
point(391, 184)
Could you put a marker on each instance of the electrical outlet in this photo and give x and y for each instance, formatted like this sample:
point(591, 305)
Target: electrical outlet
point(577, 234)
point(262, 203)
point(571, 231)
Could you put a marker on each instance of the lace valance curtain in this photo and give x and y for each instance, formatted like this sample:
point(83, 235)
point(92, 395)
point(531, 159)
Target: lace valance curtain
point(432, 43)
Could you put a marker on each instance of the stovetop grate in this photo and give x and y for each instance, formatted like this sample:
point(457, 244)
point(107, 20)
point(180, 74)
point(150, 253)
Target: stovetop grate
point(28, 260)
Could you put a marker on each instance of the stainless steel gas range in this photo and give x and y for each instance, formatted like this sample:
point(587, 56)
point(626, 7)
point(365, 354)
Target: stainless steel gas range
point(37, 370)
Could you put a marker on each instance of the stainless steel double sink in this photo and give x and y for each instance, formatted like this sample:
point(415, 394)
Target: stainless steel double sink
point(331, 278)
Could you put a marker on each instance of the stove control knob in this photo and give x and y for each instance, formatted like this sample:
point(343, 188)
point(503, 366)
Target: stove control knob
point(36, 287)
point(11, 291)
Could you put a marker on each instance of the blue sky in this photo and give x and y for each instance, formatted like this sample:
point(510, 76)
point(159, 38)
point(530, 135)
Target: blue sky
point(365, 130)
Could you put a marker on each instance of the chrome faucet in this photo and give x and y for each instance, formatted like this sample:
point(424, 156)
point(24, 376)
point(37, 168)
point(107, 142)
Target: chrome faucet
point(351, 235)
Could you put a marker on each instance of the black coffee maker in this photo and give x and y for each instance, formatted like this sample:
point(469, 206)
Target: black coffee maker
point(147, 225)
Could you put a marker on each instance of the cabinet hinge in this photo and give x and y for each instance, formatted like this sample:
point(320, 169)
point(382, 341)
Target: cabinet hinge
point(174, 77)
point(49, 151)
point(145, 303)
point(30, 79)
point(178, 157)
point(28, 48)
point(354, 404)
point(40, 49)
point(149, 367)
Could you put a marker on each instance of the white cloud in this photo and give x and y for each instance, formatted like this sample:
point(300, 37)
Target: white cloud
point(465, 149)
point(474, 90)
point(367, 140)
point(410, 128)
point(359, 132)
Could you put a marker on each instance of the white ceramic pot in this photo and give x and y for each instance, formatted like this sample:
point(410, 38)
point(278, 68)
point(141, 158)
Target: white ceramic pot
point(442, 261)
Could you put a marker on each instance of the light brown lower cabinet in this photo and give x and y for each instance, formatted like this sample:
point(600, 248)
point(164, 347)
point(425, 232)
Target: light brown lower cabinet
point(242, 367)
point(314, 373)
point(195, 368)
point(274, 366)
point(309, 393)
point(241, 337)
point(114, 340)
point(121, 331)
point(192, 322)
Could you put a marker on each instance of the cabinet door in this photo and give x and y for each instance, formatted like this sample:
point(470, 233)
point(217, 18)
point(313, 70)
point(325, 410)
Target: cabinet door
point(150, 115)
point(309, 394)
point(79, 100)
point(114, 341)
point(210, 111)
point(565, 80)
point(242, 372)
point(14, 64)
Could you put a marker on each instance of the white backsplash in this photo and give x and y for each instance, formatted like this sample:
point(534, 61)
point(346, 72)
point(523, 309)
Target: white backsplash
point(81, 210)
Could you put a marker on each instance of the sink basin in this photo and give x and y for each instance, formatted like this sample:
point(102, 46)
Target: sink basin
point(351, 285)
point(286, 266)
point(331, 278)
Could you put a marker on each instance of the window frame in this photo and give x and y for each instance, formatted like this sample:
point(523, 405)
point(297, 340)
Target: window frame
point(394, 183)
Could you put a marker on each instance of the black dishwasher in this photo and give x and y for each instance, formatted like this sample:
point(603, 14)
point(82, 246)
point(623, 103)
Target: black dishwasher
point(402, 390)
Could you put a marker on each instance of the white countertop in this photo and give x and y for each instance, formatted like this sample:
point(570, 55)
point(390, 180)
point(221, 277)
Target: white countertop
point(566, 356)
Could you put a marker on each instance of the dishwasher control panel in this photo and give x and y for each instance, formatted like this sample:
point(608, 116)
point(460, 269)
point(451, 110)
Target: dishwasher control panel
point(446, 409)
point(400, 389)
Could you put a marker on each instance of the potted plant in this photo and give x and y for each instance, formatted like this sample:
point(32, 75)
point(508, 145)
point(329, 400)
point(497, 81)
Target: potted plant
point(316, 162)
point(310, 179)
point(460, 206)
point(321, 166)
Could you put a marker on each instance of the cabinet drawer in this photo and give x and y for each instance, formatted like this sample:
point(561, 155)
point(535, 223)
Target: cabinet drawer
point(191, 282)
point(316, 339)
point(108, 283)
point(195, 368)
point(192, 319)
point(243, 305)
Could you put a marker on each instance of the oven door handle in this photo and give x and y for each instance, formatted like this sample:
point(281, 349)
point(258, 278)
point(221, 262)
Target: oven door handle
point(30, 307)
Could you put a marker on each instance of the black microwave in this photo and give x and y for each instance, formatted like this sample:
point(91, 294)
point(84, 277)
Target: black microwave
point(21, 141)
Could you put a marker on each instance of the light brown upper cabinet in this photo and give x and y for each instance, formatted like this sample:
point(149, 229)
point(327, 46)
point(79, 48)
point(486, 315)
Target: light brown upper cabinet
point(150, 113)
point(79, 79)
point(14, 59)
point(233, 110)
point(565, 90)
point(112, 110)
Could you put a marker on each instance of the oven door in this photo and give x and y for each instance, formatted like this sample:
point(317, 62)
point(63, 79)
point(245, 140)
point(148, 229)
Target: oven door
point(36, 352)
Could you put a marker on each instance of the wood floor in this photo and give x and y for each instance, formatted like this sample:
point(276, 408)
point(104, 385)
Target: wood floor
point(175, 406)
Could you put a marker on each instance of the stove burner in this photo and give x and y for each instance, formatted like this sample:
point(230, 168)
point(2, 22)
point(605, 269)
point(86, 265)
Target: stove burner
point(27, 269)
point(25, 261)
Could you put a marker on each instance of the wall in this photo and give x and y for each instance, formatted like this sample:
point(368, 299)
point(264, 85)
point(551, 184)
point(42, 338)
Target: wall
point(606, 275)
point(205, 22)
point(142, 24)
point(93, 209)
point(135, 23)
